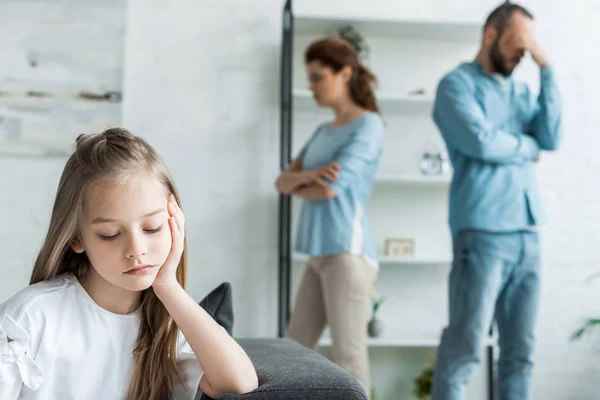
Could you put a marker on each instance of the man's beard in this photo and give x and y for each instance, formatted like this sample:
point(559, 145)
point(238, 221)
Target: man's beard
point(499, 62)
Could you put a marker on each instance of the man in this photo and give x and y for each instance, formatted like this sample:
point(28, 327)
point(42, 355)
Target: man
point(494, 129)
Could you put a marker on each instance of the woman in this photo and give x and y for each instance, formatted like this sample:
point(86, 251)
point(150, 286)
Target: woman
point(334, 174)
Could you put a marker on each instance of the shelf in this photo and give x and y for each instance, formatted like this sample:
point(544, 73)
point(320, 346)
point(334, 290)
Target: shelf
point(414, 180)
point(390, 28)
point(407, 103)
point(391, 342)
point(385, 260)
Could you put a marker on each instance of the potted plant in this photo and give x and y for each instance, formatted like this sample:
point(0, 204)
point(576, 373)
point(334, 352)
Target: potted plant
point(375, 326)
point(374, 395)
point(356, 39)
point(590, 323)
point(423, 382)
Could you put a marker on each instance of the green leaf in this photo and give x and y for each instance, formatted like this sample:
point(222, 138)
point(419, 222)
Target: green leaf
point(377, 303)
point(591, 323)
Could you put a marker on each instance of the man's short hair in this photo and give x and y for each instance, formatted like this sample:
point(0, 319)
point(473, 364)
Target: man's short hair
point(500, 18)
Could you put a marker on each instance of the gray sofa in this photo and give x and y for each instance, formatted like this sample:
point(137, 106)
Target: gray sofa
point(289, 371)
point(286, 370)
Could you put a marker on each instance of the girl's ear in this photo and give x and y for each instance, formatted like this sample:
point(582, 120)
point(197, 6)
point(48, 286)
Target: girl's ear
point(77, 246)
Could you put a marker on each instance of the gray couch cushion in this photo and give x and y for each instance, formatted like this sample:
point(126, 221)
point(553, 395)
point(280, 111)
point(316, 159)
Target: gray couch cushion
point(289, 371)
point(218, 304)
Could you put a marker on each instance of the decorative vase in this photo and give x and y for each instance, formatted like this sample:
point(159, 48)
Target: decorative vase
point(375, 327)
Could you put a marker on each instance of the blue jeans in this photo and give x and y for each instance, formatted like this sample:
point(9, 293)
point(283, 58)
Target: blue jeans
point(494, 276)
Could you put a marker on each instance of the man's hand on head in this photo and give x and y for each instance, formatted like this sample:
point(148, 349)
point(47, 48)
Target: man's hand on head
point(528, 43)
point(537, 54)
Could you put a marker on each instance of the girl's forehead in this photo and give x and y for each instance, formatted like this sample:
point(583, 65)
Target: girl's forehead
point(134, 195)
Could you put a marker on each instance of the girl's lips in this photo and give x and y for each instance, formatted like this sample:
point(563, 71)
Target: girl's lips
point(140, 270)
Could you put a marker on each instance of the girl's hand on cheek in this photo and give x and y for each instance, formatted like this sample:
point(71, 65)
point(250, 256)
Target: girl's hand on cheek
point(167, 273)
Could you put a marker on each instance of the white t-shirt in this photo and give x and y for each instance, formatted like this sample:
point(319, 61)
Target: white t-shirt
point(65, 347)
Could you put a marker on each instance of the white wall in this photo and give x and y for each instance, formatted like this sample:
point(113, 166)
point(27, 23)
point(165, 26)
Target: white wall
point(215, 94)
point(201, 84)
point(78, 46)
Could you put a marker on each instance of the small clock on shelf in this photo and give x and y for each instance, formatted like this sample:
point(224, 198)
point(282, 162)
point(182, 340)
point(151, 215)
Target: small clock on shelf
point(435, 164)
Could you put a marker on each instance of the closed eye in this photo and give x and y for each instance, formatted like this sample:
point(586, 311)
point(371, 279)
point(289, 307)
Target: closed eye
point(103, 237)
point(113, 237)
point(153, 230)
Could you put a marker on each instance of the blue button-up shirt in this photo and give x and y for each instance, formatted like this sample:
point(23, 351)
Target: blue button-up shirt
point(494, 128)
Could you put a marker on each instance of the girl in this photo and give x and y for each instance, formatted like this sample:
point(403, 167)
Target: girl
point(106, 315)
point(334, 174)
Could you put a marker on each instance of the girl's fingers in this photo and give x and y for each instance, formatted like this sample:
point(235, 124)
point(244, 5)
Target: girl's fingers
point(177, 235)
point(174, 213)
point(174, 228)
point(180, 220)
point(176, 221)
point(177, 211)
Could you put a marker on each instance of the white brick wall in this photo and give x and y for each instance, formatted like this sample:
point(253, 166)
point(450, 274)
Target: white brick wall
point(201, 83)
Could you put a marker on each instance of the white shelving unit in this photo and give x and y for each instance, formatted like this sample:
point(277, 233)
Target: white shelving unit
point(401, 57)
point(390, 28)
point(405, 103)
point(403, 179)
point(391, 342)
point(400, 261)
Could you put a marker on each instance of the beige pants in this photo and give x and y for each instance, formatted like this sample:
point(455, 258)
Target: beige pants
point(336, 290)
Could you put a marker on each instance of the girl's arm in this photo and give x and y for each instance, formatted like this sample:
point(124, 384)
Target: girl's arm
point(19, 369)
point(227, 368)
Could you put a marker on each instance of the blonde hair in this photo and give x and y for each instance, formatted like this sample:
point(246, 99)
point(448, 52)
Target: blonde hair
point(114, 155)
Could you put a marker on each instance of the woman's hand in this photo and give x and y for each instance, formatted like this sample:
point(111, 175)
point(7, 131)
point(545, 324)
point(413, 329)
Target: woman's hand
point(167, 273)
point(330, 172)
